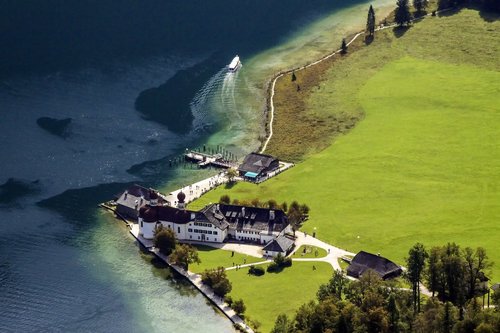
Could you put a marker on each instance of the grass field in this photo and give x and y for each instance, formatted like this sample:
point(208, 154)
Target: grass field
point(424, 163)
point(269, 295)
point(310, 252)
point(212, 258)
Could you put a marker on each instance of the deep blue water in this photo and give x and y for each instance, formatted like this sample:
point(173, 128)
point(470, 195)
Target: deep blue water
point(96, 95)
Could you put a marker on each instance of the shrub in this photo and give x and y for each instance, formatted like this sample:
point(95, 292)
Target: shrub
point(228, 299)
point(239, 307)
point(225, 199)
point(258, 271)
point(287, 262)
point(273, 267)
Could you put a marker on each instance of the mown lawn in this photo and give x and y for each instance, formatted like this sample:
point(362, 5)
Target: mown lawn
point(309, 251)
point(269, 295)
point(212, 258)
point(424, 163)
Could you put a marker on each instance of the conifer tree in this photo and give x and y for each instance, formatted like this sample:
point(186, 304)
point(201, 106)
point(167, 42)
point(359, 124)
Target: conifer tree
point(402, 15)
point(370, 22)
point(420, 5)
point(343, 48)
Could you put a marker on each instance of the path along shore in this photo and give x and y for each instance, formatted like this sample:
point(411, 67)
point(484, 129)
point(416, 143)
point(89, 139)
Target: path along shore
point(328, 56)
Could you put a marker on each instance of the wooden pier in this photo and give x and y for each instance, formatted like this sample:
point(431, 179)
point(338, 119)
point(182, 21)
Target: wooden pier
point(203, 160)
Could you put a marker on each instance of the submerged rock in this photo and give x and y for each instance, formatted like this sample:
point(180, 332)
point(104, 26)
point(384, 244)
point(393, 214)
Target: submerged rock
point(54, 126)
point(169, 104)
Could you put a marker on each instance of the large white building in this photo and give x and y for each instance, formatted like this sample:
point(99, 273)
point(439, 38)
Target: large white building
point(217, 223)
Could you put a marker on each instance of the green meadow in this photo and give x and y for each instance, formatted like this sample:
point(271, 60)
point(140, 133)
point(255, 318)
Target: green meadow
point(423, 164)
point(271, 294)
point(212, 258)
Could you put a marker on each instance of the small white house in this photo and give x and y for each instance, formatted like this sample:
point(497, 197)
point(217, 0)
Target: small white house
point(280, 245)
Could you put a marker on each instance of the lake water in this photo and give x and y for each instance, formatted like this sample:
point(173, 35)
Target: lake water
point(140, 81)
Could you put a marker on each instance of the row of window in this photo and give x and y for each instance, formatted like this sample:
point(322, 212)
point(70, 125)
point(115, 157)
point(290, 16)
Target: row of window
point(249, 232)
point(198, 231)
point(201, 224)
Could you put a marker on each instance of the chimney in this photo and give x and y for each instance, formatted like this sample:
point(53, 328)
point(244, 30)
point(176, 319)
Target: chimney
point(271, 215)
point(193, 216)
point(242, 211)
point(125, 195)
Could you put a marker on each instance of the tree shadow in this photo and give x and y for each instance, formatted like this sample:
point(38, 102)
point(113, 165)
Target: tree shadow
point(400, 31)
point(489, 16)
point(450, 12)
point(369, 39)
point(229, 185)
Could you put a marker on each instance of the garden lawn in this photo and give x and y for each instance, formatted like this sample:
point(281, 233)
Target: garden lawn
point(310, 252)
point(212, 258)
point(424, 163)
point(271, 294)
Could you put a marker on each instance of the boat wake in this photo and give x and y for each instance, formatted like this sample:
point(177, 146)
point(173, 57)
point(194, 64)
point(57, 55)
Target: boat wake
point(215, 99)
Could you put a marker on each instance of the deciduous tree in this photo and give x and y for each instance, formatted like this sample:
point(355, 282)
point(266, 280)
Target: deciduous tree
point(164, 240)
point(184, 255)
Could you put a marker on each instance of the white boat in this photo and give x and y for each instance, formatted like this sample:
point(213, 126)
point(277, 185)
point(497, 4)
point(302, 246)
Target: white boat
point(235, 64)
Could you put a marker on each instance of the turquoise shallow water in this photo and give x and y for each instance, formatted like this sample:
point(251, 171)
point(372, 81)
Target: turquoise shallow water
point(64, 264)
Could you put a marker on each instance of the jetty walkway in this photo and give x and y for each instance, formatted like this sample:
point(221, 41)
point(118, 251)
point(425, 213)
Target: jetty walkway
point(195, 280)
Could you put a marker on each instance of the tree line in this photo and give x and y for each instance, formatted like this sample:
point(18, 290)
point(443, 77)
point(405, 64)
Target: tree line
point(372, 305)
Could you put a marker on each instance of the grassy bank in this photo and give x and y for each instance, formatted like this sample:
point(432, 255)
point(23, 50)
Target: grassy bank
point(423, 163)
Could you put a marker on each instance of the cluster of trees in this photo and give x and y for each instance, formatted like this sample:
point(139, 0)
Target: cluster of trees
point(179, 254)
point(456, 275)
point(217, 280)
point(279, 263)
point(373, 305)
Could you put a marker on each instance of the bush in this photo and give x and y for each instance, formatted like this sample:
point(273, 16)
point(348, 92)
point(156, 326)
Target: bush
point(228, 299)
point(257, 271)
point(287, 262)
point(273, 267)
point(225, 199)
point(239, 307)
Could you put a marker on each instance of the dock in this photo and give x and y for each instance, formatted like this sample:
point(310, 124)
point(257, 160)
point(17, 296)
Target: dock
point(203, 160)
point(195, 280)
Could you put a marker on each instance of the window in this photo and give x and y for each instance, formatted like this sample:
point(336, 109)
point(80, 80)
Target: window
point(142, 225)
point(215, 232)
point(178, 230)
point(190, 237)
point(190, 230)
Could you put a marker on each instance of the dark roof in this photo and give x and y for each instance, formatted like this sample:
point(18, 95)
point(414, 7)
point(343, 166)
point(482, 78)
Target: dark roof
point(164, 213)
point(279, 244)
point(256, 163)
point(364, 261)
point(253, 218)
point(135, 193)
point(211, 214)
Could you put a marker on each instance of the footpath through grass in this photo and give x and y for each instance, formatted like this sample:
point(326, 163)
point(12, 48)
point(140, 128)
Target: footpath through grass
point(269, 295)
point(424, 163)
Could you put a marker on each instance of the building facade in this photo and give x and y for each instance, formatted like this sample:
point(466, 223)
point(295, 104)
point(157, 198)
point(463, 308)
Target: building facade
point(216, 223)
